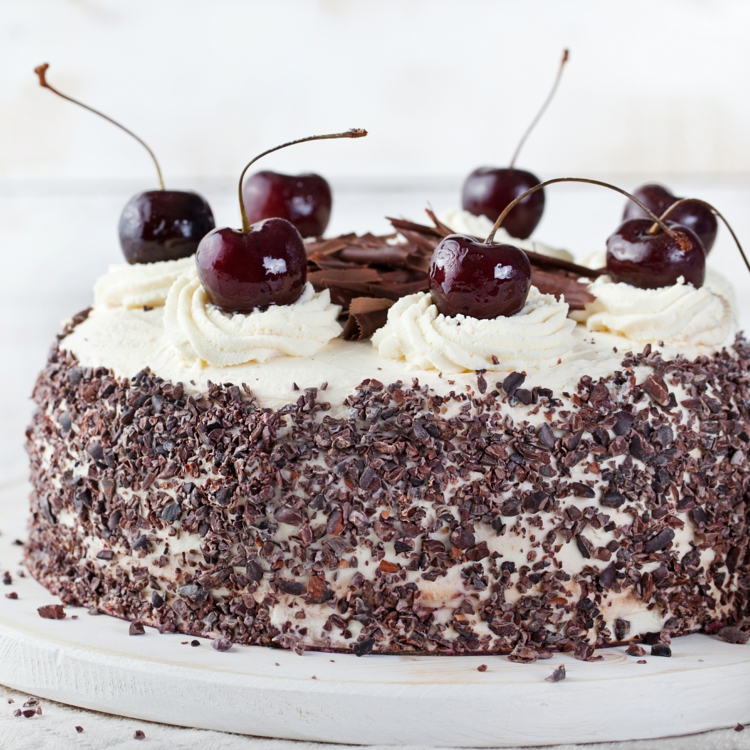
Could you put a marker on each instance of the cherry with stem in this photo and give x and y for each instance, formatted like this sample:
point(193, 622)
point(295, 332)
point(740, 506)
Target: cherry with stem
point(155, 225)
point(488, 190)
point(262, 264)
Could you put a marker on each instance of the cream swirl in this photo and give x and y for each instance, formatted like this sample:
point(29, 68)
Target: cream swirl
point(139, 285)
point(464, 222)
point(201, 332)
point(536, 337)
point(679, 314)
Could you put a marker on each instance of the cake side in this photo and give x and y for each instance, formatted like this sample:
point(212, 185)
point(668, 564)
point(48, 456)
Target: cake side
point(416, 522)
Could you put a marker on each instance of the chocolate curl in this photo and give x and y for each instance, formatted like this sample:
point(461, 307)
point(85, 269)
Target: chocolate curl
point(366, 315)
point(576, 294)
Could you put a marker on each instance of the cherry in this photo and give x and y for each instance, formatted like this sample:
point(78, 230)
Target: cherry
point(651, 260)
point(159, 224)
point(243, 271)
point(163, 225)
point(481, 280)
point(690, 213)
point(488, 190)
point(304, 200)
point(261, 264)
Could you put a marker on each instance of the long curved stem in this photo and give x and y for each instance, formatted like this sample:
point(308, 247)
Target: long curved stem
point(541, 185)
point(353, 133)
point(539, 114)
point(41, 71)
point(682, 201)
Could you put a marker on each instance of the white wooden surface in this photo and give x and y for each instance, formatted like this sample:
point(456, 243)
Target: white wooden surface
point(93, 663)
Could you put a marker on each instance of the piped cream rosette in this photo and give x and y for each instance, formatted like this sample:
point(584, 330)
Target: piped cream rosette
point(536, 337)
point(201, 332)
point(139, 285)
point(680, 314)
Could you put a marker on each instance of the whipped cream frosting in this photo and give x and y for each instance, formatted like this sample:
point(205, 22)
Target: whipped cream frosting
point(200, 331)
point(679, 314)
point(139, 285)
point(464, 222)
point(536, 337)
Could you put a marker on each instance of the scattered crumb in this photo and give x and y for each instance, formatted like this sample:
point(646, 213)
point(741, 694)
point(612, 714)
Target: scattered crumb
point(558, 675)
point(277, 664)
point(52, 612)
point(79, 729)
point(11, 595)
point(482, 668)
point(295, 387)
point(74, 617)
point(184, 643)
point(10, 700)
point(635, 650)
point(139, 734)
point(221, 644)
point(313, 677)
point(18, 543)
point(17, 712)
point(661, 649)
point(194, 643)
point(739, 727)
point(641, 661)
point(7, 578)
point(136, 628)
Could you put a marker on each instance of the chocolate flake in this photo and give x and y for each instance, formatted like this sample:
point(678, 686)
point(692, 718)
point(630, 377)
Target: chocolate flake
point(139, 734)
point(221, 644)
point(558, 675)
point(661, 649)
point(136, 628)
point(51, 612)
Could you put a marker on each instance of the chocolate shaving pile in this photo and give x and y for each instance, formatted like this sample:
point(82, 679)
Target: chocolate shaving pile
point(372, 269)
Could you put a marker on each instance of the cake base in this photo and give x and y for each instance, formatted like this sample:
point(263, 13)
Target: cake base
point(93, 663)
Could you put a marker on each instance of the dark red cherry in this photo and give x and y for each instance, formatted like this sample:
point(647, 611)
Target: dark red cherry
point(245, 271)
point(650, 261)
point(469, 277)
point(690, 214)
point(488, 190)
point(303, 199)
point(163, 225)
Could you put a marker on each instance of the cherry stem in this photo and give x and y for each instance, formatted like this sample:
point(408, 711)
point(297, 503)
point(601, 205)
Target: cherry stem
point(682, 201)
point(490, 239)
point(352, 133)
point(41, 71)
point(539, 114)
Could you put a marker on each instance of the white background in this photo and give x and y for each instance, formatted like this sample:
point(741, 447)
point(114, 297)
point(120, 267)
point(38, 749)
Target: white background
point(652, 91)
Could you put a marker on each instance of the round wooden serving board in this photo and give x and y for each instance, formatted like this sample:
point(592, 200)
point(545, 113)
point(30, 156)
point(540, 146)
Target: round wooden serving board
point(93, 663)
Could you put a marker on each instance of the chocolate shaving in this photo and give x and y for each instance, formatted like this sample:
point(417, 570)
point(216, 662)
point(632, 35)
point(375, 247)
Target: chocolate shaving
point(366, 315)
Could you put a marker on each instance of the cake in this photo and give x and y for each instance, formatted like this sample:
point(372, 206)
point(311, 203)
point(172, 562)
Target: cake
point(562, 479)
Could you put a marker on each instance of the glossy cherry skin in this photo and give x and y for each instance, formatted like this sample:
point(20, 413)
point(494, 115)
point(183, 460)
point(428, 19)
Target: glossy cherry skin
point(692, 215)
point(468, 277)
point(251, 271)
point(650, 261)
point(163, 225)
point(303, 199)
point(487, 191)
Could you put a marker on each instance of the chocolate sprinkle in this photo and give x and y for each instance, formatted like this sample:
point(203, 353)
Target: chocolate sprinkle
point(558, 675)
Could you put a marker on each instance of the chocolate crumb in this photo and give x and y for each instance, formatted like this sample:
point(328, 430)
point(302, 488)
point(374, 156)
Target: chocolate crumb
point(363, 647)
point(557, 676)
point(7, 578)
point(661, 649)
point(221, 644)
point(195, 643)
point(11, 595)
point(79, 729)
point(482, 668)
point(18, 543)
point(136, 628)
point(641, 661)
point(733, 635)
point(52, 612)
point(139, 734)
point(295, 387)
point(739, 727)
point(635, 650)
point(17, 712)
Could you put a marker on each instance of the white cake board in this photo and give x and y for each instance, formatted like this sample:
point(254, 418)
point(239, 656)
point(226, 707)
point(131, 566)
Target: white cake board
point(93, 663)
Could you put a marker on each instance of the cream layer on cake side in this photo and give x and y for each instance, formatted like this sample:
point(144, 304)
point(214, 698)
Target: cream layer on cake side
point(388, 506)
